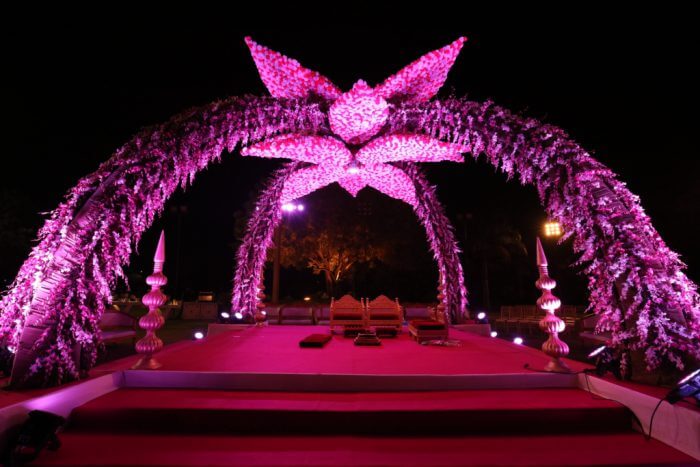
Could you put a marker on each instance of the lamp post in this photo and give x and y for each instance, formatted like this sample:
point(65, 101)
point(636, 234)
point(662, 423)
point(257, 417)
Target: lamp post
point(287, 208)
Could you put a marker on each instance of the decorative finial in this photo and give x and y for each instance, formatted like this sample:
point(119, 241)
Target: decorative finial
point(551, 323)
point(153, 320)
point(159, 257)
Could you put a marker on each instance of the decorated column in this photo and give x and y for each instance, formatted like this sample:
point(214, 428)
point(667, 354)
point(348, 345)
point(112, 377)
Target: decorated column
point(551, 323)
point(153, 320)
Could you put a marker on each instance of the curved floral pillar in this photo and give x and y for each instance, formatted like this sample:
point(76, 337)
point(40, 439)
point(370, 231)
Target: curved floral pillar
point(54, 305)
point(251, 255)
point(636, 283)
point(443, 243)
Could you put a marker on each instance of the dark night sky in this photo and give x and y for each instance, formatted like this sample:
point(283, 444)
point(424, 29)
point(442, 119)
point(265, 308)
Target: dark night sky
point(622, 84)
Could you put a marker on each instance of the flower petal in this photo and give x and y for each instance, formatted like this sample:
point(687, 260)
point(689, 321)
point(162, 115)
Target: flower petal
point(423, 78)
point(285, 77)
point(413, 148)
point(306, 180)
point(387, 179)
point(322, 150)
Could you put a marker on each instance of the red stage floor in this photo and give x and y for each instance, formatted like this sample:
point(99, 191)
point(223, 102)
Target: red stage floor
point(275, 349)
point(174, 424)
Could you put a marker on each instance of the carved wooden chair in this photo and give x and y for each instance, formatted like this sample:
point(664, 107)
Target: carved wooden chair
point(347, 311)
point(384, 312)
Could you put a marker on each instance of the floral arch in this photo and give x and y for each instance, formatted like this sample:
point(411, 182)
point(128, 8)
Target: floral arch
point(636, 282)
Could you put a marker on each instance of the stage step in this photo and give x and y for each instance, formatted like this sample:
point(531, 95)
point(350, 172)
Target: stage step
point(445, 412)
point(99, 449)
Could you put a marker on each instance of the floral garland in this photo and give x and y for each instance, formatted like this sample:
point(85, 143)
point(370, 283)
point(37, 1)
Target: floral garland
point(59, 295)
point(636, 283)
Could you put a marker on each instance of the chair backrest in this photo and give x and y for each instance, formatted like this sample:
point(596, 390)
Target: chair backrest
point(346, 302)
point(384, 303)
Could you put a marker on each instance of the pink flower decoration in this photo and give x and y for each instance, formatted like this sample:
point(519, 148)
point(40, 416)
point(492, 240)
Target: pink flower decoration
point(358, 114)
point(284, 77)
point(333, 162)
point(418, 82)
point(423, 78)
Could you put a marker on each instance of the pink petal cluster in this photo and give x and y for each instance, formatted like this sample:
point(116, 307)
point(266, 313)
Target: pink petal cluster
point(333, 160)
point(284, 77)
point(359, 114)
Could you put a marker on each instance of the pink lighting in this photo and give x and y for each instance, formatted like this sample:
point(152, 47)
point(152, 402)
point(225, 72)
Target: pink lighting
point(494, 334)
point(636, 283)
point(518, 341)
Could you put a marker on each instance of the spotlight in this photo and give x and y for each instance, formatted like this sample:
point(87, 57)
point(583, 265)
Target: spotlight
point(605, 360)
point(300, 207)
point(353, 168)
point(482, 317)
point(288, 207)
point(518, 341)
point(597, 351)
point(494, 334)
point(198, 335)
point(37, 433)
point(225, 314)
point(238, 315)
point(264, 313)
point(688, 386)
point(307, 299)
point(552, 229)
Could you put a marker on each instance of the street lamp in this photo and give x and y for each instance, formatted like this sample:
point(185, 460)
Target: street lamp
point(552, 229)
point(287, 208)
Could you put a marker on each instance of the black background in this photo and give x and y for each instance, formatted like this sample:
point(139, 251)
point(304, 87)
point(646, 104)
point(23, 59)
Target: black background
point(80, 83)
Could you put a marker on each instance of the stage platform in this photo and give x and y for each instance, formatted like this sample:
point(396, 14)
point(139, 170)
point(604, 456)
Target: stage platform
point(252, 396)
point(270, 358)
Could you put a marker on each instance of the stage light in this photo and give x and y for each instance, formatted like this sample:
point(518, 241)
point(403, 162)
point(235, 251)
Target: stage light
point(481, 315)
point(307, 299)
point(300, 207)
point(199, 335)
point(494, 334)
point(605, 360)
point(35, 434)
point(353, 168)
point(238, 315)
point(288, 207)
point(552, 229)
point(518, 341)
point(264, 313)
point(597, 351)
point(225, 314)
point(688, 386)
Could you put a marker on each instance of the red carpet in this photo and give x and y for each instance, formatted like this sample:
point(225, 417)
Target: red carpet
point(492, 411)
point(536, 427)
point(190, 450)
point(275, 349)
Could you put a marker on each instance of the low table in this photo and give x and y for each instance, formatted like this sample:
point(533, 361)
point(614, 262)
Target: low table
point(425, 329)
